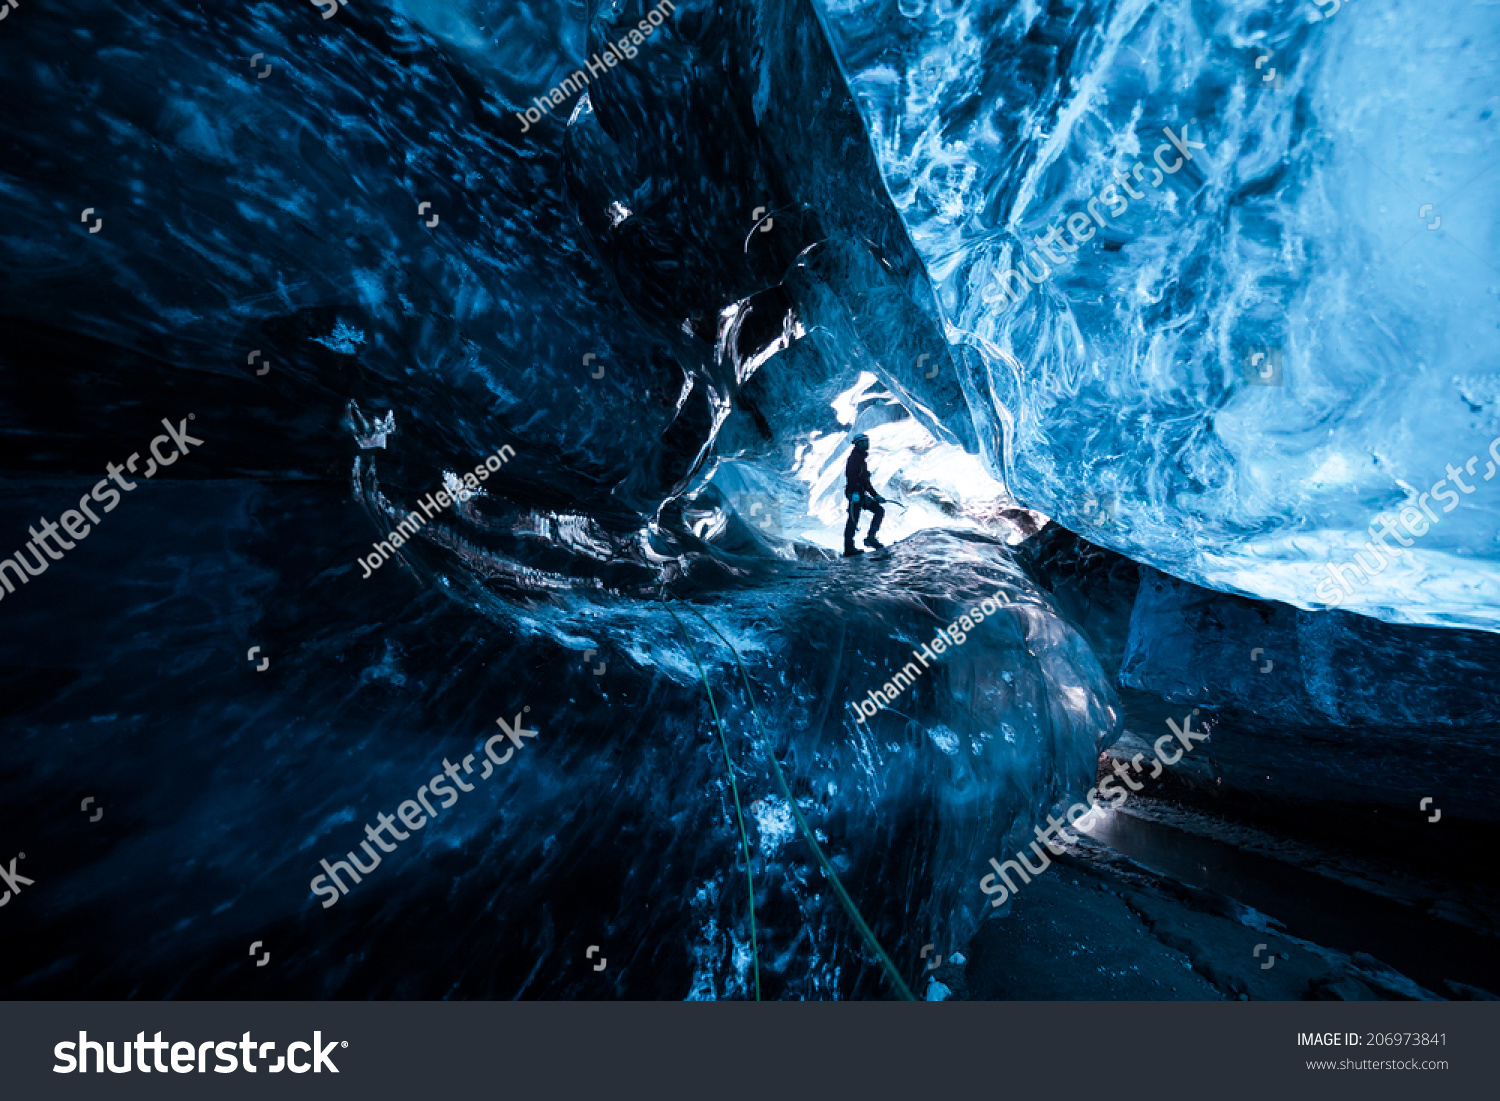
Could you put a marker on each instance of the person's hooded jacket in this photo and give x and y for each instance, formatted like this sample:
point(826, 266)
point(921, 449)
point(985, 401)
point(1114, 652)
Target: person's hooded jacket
point(857, 476)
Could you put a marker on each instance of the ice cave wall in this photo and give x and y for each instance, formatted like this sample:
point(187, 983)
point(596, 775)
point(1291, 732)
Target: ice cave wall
point(1257, 353)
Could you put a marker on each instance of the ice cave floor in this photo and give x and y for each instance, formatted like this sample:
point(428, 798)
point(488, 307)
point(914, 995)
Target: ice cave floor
point(1103, 925)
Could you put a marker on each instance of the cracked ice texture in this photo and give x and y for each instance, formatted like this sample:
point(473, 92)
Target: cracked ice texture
point(1126, 372)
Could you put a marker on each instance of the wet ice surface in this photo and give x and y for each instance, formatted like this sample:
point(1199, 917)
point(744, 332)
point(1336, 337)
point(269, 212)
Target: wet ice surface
point(1307, 801)
point(1319, 711)
point(613, 828)
point(1160, 889)
point(1100, 925)
point(1422, 941)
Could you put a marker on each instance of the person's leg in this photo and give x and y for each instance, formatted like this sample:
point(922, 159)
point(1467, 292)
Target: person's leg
point(878, 512)
point(850, 527)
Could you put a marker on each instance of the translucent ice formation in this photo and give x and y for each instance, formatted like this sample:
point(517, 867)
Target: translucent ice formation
point(1260, 237)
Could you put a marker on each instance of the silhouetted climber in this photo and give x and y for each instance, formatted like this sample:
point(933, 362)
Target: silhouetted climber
point(862, 497)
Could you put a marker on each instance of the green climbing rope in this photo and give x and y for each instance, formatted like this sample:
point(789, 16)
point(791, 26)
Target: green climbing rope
point(733, 787)
point(838, 887)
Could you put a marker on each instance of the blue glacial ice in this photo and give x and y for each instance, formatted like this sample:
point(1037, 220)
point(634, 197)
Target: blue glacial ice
point(1256, 356)
point(597, 292)
point(677, 296)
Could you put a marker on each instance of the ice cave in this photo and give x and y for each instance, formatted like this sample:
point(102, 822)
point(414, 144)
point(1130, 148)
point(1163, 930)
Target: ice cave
point(483, 379)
